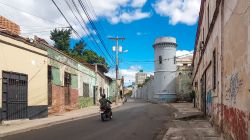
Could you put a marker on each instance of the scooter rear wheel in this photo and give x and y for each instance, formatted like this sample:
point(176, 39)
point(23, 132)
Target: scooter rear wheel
point(103, 117)
point(111, 115)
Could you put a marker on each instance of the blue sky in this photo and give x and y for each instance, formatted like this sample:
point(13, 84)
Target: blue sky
point(140, 35)
point(139, 21)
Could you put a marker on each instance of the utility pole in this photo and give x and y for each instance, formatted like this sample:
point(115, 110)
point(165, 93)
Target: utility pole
point(117, 62)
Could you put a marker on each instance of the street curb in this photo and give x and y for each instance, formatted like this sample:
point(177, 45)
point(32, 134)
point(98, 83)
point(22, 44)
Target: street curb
point(46, 125)
point(51, 124)
point(197, 115)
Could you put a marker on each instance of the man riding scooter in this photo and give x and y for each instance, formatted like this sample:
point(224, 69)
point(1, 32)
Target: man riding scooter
point(105, 107)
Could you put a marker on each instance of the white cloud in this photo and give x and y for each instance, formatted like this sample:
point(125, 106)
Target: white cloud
point(138, 3)
point(34, 20)
point(135, 67)
point(114, 11)
point(179, 11)
point(180, 53)
point(129, 74)
point(127, 17)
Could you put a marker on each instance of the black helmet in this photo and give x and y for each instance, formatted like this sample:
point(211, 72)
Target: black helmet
point(103, 95)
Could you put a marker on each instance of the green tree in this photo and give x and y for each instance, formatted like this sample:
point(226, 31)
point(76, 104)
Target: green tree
point(79, 48)
point(61, 37)
point(91, 57)
point(146, 80)
point(140, 85)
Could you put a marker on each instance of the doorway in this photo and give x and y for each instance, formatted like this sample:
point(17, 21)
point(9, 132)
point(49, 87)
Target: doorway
point(14, 96)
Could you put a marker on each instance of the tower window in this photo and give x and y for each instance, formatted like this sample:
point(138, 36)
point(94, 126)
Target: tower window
point(160, 59)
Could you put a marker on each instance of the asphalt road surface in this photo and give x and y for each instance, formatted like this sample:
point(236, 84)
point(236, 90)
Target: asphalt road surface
point(135, 120)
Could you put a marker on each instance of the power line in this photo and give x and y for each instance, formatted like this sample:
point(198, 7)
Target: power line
point(51, 21)
point(152, 61)
point(38, 29)
point(41, 27)
point(94, 14)
point(37, 32)
point(90, 34)
point(65, 18)
point(95, 29)
point(26, 31)
point(76, 18)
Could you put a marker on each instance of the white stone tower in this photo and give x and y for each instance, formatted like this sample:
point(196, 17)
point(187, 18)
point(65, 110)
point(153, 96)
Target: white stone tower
point(165, 69)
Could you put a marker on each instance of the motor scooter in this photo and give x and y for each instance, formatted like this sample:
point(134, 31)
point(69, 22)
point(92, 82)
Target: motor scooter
point(106, 112)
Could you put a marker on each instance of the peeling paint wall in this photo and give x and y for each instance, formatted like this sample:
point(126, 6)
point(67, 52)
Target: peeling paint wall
point(203, 59)
point(237, 84)
point(81, 76)
point(227, 104)
point(103, 86)
point(60, 64)
point(55, 55)
point(88, 76)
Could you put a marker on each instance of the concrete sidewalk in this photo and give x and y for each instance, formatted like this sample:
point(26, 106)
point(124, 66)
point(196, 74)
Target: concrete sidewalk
point(189, 125)
point(14, 127)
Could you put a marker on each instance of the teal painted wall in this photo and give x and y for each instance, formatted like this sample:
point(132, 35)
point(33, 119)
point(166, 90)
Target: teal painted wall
point(86, 70)
point(56, 76)
point(74, 81)
point(62, 58)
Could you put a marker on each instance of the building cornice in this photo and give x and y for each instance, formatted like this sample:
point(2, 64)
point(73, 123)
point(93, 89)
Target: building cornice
point(165, 44)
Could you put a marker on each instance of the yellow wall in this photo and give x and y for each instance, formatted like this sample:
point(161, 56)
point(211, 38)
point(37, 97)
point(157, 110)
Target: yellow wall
point(18, 60)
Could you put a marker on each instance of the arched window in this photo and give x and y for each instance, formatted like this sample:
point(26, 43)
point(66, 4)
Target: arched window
point(160, 59)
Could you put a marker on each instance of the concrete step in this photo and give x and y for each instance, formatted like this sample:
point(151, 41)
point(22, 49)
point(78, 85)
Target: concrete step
point(189, 115)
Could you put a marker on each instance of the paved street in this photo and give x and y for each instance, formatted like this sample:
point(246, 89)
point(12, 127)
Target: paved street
point(136, 120)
